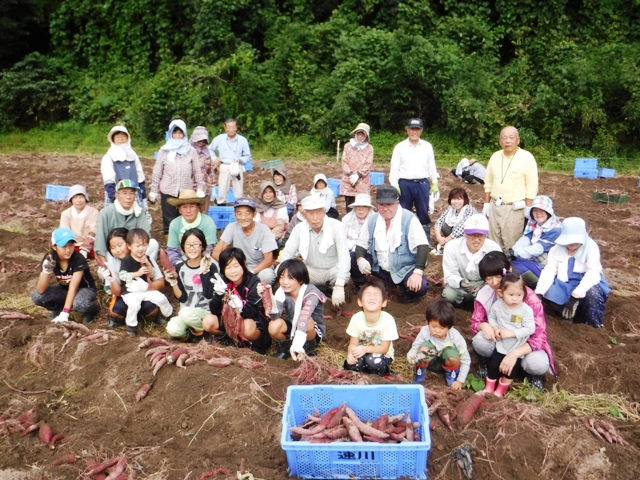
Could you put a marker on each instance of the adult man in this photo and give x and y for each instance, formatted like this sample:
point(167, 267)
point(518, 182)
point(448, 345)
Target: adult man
point(461, 258)
point(322, 243)
point(233, 152)
point(123, 212)
point(510, 185)
point(254, 239)
point(392, 246)
point(188, 204)
point(412, 166)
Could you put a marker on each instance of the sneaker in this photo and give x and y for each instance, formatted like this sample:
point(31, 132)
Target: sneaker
point(421, 374)
point(536, 381)
point(451, 375)
point(282, 349)
point(113, 322)
point(310, 347)
point(131, 330)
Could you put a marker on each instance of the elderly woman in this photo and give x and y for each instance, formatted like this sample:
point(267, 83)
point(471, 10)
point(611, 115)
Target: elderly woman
point(572, 282)
point(450, 225)
point(353, 221)
point(357, 160)
point(529, 254)
point(272, 211)
point(209, 169)
point(537, 358)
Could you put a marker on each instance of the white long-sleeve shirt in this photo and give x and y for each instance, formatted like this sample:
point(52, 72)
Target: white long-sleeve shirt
point(456, 259)
point(413, 162)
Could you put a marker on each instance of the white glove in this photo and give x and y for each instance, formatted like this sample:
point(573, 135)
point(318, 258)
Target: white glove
point(200, 193)
point(152, 197)
point(235, 302)
point(168, 276)
point(353, 178)
point(48, 264)
point(62, 317)
point(219, 286)
point(527, 212)
point(338, 295)
point(105, 275)
point(486, 209)
point(297, 345)
point(205, 263)
point(137, 285)
point(364, 266)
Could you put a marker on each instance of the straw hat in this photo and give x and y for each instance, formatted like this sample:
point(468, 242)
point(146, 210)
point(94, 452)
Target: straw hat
point(186, 196)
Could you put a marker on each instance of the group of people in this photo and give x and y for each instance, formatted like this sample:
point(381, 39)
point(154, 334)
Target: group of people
point(500, 262)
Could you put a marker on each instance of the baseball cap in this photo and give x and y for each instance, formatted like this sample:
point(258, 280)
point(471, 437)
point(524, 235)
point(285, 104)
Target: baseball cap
point(387, 194)
point(62, 236)
point(245, 202)
point(476, 223)
point(126, 183)
point(415, 123)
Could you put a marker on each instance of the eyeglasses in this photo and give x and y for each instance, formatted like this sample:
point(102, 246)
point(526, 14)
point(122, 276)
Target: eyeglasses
point(189, 246)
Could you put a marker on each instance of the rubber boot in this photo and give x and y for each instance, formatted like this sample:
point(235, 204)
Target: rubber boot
point(489, 385)
point(310, 347)
point(421, 374)
point(282, 349)
point(483, 367)
point(451, 375)
point(501, 389)
point(536, 381)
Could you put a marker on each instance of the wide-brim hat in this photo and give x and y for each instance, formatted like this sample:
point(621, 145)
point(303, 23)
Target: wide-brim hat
point(362, 200)
point(186, 196)
point(574, 230)
point(313, 202)
point(362, 127)
point(476, 224)
point(77, 190)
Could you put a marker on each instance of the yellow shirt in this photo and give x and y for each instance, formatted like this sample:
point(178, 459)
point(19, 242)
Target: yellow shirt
point(515, 178)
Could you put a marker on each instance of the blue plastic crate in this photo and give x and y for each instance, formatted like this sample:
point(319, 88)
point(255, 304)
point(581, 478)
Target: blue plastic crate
point(606, 172)
point(215, 191)
point(586, 163)
point(590, 173)
point(222, 216)
point(334, 185)
point(377, 178)
point(56, 193)
point(347, 460)
point(248, 166)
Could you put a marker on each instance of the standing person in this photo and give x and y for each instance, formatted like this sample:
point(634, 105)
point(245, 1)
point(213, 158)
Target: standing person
point(450, 225)
point(233, 154)
point(414, 174)
point(285, 190)
point(76, 288)
point(357, 160)
point(200, 141)
point(177, 168)
point(510, 185)
point(81, 219)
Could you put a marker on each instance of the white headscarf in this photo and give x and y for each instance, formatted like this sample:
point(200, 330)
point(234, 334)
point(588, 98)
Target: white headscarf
point(177, 146)
point(120, 153)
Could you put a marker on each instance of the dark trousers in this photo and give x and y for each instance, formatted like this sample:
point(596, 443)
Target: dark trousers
point(416, 193)
point(358, 278)
point(169, 212)
point(348, 201)
point(590, 309)
point(371, 363)
point(493, 372)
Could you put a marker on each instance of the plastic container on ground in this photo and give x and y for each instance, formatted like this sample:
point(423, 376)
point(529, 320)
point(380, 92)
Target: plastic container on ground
point(590, 173)
point(586, 163)
point(606, 172)
point(377, 178)
point(614, 198)
point(56, 193)
point(334, 185)
point(271, 164)
point(215, 191)
point(222, 216)
point(347, 460)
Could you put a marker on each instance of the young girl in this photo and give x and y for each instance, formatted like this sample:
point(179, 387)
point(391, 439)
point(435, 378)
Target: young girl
point(177, 168)
point(321, 189)
point(143, 280)
point(285, 190)
point(272, 211)
point(372, 332)
point(357, 160)
point(243, 300)
point(512, 322)
point(450, 225)
point(76, 288)
point(542, 230)
point(209, 170)
point(81, 219)
point(296, 316)
point(187, 284)
point(353, 221)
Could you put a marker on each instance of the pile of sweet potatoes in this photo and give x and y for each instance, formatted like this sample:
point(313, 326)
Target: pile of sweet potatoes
point(26, 423)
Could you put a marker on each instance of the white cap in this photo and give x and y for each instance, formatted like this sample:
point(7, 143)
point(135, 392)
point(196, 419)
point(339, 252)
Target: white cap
point(476, 223)
point(77, 190)
point(574, 230)
point(312, 202)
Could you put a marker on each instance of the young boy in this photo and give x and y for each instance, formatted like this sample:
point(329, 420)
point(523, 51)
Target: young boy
point(372, 332)
point(440, 348)
point(143, 280)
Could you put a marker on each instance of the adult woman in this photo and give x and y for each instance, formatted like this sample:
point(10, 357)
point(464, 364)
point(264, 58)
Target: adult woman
point(208, 168)
point(357, 160)
point(537, 356)
point(353, 221)
point(233, 295)
point(177, 168)
point(285, 190)
point(572, 280)
point(450, 225)
point(272, 211)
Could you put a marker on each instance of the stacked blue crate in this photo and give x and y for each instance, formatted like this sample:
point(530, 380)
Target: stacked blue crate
point(586, 168)
point(606, 172)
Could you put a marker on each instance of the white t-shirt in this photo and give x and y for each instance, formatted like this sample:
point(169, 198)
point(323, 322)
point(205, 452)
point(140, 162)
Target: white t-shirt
point(367, 334)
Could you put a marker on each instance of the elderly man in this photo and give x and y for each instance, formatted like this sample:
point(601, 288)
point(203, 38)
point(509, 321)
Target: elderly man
point(392, 246)
point(188, 204)
point(254, 239)
point(461, 258)
point(412, 166)
point(322, 243)
point(232, 153)
point(510, 185)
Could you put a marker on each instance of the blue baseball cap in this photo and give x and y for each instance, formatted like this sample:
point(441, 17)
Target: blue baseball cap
point(126, 183)
point(245, 202)
point(62, 236)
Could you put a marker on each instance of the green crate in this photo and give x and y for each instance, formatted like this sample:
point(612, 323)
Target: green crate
point(616, 199)
point(271, 164)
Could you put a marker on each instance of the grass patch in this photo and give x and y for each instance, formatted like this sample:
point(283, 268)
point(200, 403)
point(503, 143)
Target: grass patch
point(13, 228)
point(22, 303)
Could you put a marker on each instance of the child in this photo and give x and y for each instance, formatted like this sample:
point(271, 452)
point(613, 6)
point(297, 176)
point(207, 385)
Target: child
point(353, 221)
point(297, 217)
point(321, 189)
point(296, 323)
point(440, 348)
point(187, 284)
point(119, 163)
point(81, 219)
point(285, 190)
point(272, 211)
point(200, 141)
point(76, 287)
point(450, 225)
point(513, 324)
point(143, 280)
point(372, 332)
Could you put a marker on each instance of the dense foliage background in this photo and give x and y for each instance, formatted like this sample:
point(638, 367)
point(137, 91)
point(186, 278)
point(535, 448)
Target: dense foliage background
point(566, 72)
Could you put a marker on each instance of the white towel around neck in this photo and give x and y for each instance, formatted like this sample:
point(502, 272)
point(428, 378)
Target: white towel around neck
point(305, 238)
point(281, 296)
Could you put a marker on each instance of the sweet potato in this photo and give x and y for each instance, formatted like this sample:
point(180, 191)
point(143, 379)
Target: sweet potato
point(352, 430)
point(181, 359)
point(153, 351)
point(157, 356)
point(77, 326)
point(119, 470)
point(152, 341)
point(410, 432)
point(159, 365)
point(55, 439)
point(30, 428)
point(173, 356)
point(93, 336)
point(249, 363)
point(364, 428)
point(369, 438)
point(70, 458)
point(267, 301)
point(165, 262)
point(140, 394)
point(337, 416)
point(444, 415)
point(219, 362)
point(45, 432)
point(396, 418)
point(468, 408)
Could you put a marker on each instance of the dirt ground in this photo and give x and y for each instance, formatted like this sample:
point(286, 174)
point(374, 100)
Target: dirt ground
point(202, 418)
